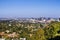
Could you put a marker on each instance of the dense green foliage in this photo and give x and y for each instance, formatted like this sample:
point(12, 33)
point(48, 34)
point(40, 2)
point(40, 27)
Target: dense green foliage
point(31, 31)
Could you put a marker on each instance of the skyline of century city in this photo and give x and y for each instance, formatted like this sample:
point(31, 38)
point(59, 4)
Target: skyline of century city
point(29, 8)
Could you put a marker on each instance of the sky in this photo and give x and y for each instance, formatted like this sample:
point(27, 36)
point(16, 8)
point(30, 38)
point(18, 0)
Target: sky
point(29, 8)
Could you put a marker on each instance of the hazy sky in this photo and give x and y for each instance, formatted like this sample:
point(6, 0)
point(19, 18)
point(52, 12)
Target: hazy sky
point(29, 8)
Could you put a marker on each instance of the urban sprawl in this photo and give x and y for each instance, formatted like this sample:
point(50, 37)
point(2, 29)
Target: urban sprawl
point(29, 28)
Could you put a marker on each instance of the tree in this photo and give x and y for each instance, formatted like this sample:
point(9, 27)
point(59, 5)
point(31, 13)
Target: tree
point(51, 29)
point(38, 35)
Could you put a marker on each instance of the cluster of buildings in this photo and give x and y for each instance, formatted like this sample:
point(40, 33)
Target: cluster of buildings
point(38, 20)
point(31, 20)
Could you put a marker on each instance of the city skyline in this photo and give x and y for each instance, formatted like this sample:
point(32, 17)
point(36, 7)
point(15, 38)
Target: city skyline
point(29, 8)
